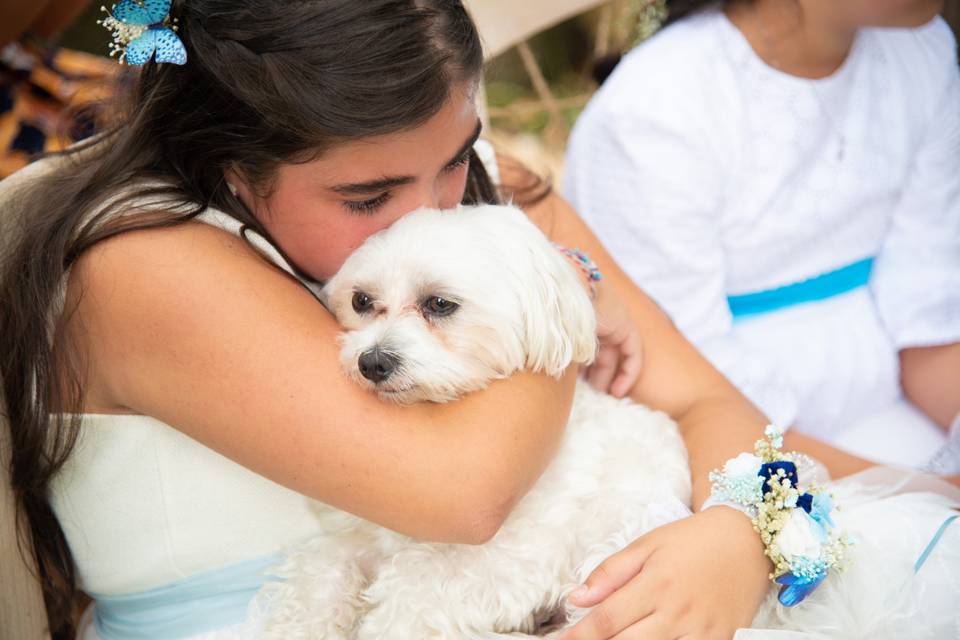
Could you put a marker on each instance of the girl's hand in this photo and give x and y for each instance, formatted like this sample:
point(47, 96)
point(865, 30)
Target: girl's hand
point(620, 357)
point(697, 578)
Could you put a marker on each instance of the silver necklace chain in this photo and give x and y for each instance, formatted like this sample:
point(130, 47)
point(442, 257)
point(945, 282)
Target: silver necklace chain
point(775, 61)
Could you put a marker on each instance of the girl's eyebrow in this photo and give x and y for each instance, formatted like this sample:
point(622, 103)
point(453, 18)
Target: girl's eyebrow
point(382, 184)
point(472, 140)
point(372, 186)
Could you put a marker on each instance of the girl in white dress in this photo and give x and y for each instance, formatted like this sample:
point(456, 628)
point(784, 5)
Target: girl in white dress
point(783, 177)
point(173, 390)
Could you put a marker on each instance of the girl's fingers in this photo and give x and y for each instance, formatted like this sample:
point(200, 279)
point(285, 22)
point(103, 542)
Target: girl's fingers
point(652, 627)
point(630, 367)
point(625, 608)
point(611, 574)
point(604, 368)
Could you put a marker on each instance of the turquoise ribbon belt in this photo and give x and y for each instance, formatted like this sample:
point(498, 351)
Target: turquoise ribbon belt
point(834, 283)
point(200, 603)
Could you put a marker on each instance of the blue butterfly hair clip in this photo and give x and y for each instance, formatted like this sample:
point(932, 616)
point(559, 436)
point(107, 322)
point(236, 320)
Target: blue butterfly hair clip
point(142, 28)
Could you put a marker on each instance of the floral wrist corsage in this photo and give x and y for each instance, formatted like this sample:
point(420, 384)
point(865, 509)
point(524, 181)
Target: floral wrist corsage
point(794, 523)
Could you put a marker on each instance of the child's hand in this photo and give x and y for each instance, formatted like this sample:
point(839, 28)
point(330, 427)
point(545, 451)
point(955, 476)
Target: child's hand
point(697, 578)
point(620, 357)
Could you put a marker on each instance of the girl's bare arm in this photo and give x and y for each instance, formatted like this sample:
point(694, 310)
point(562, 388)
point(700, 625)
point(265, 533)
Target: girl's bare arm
point(190, 326)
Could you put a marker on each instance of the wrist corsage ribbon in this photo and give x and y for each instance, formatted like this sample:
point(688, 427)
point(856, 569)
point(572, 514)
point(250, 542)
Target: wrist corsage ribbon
point(794, 522)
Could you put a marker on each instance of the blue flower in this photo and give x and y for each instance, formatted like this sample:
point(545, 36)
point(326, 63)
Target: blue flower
point(769, 470)
point(822, 506)
point(805, 502)
point(795, 588)
point(142, 30)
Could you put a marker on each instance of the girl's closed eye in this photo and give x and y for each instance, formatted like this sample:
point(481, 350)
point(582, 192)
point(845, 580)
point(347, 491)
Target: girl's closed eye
point(371, 205)
point(368, 206)
point(462, 161)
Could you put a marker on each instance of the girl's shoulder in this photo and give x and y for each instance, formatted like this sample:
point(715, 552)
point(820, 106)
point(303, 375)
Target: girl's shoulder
point(932, 45)
point(676, 90)
point(170, 289)
point(921, 62)
point(676, 58)
point(685, 72)
point(693, 34)
point(163, 258)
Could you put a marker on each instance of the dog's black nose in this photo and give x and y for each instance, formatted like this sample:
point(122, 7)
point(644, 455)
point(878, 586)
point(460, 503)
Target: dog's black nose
point(376, 365)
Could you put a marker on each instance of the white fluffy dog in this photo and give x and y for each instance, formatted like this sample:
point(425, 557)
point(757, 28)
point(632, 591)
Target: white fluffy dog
point(436, 306)
point(440, 304)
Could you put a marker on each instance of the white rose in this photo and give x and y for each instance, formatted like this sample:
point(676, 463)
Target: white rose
point(799, 537)
point(745, 464)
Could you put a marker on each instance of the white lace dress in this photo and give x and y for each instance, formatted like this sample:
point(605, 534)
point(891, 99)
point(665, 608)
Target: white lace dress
point(709, 174)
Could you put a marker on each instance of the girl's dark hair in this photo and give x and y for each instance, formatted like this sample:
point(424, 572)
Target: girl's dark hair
point(676, 10)
point(266, 82)
point(679, 9)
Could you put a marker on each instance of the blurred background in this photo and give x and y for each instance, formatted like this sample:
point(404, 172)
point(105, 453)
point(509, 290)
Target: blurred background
point(530, 118)
point(540, 75)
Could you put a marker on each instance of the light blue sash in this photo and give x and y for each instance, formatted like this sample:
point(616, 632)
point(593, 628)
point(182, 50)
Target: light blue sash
point(203, 602)
point(219, 598)
point(933, 543)
point(828, 285)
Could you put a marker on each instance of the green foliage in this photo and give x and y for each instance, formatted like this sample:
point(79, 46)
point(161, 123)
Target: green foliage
point(644, 18)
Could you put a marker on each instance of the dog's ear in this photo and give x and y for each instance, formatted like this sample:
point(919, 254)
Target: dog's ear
point(560, 325)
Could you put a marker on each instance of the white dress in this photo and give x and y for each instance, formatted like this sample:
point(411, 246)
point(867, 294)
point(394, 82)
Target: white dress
point(709, 174)
point(144, 506)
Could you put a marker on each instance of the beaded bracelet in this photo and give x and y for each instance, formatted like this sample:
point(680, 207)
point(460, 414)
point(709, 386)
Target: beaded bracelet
point(798, 534)
point(586, 265)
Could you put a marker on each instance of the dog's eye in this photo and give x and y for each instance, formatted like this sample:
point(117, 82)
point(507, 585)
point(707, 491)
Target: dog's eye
point(362, 302)
point(439, 307)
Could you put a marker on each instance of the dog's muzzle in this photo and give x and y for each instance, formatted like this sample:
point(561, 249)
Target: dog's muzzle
point(376, 365)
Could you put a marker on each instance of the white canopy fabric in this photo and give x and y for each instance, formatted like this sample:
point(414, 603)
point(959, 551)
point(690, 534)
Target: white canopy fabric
point(506, 23)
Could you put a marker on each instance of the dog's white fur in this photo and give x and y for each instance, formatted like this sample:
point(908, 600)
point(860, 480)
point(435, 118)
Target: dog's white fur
point(521, 306)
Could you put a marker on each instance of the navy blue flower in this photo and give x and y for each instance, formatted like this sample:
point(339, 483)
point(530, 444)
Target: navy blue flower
point(805, 502)
point(769, 470)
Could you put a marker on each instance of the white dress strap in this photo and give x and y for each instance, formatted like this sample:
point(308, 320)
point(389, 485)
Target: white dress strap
point(231, 225)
